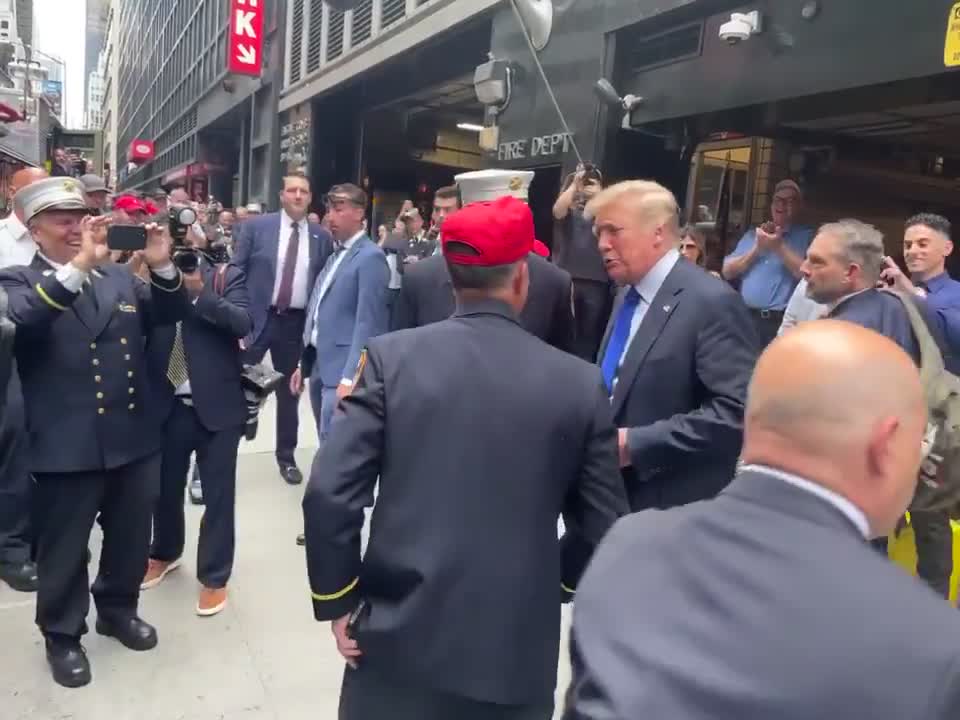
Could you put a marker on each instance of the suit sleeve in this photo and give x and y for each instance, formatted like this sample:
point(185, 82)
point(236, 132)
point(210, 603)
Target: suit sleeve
point(405, 310)
point(597, 500)
point(34, 305)
point(373, 275)
point(341, 485)
point(227, 312)
point(242, 247)
point(162, 302)
point(562, 332)
point(726, 351)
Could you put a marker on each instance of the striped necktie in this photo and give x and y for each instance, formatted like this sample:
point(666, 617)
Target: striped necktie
point(177, 367)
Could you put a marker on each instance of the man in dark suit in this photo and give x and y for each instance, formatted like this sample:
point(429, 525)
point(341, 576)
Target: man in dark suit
point(677, 354)
point(766, 602)
point(281, 255)
point(842, 268)
point(463, 561)
point(93, 441)
point(195, 372)
point(426, 295)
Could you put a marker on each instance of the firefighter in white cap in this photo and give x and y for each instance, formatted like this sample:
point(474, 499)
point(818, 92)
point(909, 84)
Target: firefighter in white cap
point(427, 297)
point(93, 443)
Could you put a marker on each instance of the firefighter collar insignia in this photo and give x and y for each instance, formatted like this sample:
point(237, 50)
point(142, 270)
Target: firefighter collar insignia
point(123, 307)
point(666, 308)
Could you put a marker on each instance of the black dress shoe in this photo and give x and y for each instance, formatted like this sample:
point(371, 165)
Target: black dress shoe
point(68, 663)
point(301, 539)
point(22, 577)
point(131, 631)
point(292, 474)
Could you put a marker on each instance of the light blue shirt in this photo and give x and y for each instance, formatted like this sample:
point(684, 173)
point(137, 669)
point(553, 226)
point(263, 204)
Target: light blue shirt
point(768, 284)
point(648, 288)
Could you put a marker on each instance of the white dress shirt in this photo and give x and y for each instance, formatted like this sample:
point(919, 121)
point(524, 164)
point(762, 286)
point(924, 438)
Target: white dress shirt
point(648, 288)
point(17, 246)
point(301, 289)
point(854, 514)
point(801, 308)
point(327, 281)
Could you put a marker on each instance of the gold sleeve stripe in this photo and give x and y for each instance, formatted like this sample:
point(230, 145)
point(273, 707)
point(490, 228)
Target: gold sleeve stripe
point(337, 595)
point(566, 589)
point(49, 300)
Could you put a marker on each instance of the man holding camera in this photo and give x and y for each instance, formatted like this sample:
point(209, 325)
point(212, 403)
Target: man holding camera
point(93, 443)
point(195, 371)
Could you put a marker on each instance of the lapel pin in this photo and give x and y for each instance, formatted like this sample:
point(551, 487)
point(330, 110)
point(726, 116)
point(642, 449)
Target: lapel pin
point(666, 308)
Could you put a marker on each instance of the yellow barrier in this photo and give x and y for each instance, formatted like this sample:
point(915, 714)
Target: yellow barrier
point(902, 550)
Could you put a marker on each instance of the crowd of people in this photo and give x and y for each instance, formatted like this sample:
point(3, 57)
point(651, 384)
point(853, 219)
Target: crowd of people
point(720, 449)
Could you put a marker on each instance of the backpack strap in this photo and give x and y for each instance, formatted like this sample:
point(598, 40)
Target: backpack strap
point(932, 368)
point(220, 280)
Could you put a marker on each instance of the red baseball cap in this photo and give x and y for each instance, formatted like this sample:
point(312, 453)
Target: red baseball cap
point(129, 204)
point(150, 208)
point(540, 248)
point(499, 232)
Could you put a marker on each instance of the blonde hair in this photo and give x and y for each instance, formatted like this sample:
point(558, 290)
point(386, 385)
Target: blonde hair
point(655, 205)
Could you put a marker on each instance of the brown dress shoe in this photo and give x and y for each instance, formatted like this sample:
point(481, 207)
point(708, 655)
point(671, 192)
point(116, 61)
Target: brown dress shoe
point(157, 570)
point(212, 601)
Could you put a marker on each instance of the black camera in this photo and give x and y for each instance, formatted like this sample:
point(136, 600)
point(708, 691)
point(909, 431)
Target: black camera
point(179, 220)
point(258, 382)
point(186, 259)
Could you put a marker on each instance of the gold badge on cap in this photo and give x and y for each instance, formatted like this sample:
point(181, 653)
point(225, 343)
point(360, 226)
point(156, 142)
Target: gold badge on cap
point(69, 186)
point(516, 184)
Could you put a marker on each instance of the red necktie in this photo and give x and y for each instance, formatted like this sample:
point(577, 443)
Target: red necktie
point(285, 293)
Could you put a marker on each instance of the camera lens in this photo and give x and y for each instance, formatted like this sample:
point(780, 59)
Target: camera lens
point(187, 216)
point(186, 260)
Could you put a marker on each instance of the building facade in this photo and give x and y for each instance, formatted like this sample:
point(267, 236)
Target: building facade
point(98, 12)
point(212, 132)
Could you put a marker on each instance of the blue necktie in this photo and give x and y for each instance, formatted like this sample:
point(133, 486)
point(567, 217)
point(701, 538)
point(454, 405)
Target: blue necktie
point(619, 337)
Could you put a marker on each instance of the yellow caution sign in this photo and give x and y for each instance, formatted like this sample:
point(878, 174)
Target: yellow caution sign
point(951, 47)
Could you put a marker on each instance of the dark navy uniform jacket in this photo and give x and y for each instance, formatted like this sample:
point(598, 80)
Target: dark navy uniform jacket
point(481, 435)
point(81, 361)
point(214, 325)
point(427, 297)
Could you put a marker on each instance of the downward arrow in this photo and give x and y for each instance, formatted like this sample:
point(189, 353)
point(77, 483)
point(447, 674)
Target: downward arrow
point(246, 54)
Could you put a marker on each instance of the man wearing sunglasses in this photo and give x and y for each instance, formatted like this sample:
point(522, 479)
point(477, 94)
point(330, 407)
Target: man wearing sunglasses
point(767, 260)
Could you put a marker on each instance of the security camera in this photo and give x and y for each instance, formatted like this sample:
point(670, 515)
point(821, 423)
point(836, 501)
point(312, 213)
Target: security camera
point(740, 27)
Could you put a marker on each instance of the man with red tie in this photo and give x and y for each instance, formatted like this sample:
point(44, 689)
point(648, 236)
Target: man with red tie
point(281, 255)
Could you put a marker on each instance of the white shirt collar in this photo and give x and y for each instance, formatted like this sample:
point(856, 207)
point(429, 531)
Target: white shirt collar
point(286, 221)
point(650, 284)
point(348, 243)
point(853, 513)
point(17, 229)
point(48, 261)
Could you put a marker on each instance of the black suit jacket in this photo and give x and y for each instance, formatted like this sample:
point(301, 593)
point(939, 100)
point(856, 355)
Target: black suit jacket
point(427, 297)
point(682, 388)
point(211, 332)
point(80, 357)
point(481, 435)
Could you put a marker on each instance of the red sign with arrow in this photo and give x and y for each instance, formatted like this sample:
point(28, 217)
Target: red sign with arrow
point(245, 37)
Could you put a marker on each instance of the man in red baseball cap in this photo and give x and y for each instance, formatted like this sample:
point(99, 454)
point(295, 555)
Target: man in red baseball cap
point(128, 208)
point(481, 436)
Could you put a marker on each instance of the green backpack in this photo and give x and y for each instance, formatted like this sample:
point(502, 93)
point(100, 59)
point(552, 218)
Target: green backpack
point(938, 487)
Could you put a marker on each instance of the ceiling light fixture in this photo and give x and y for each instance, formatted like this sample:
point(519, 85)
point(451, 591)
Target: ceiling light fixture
point(472, 127)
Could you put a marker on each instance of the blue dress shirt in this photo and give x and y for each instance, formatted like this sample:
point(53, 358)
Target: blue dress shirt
point(943, 300)
point(768, 283)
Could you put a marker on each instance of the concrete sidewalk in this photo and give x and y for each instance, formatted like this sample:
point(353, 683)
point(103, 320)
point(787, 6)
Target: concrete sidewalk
point(263, 658)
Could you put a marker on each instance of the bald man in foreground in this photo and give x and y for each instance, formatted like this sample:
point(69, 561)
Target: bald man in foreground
point(767, 602)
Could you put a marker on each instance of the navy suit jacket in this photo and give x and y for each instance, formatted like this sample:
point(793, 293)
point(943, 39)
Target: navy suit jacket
point(257, 247)
point(353, 310)
point(80, 357)
point(211, 333)
point(682, 389)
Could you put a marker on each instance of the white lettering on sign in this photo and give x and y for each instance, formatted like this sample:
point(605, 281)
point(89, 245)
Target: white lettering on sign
point(244, 24)
point(246, 54)
point(539, 146)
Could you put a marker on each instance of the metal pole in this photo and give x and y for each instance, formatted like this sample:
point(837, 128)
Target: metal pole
point(546, 81)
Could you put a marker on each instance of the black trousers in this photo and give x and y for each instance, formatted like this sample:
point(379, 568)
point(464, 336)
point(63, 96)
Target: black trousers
point(69, 503)
point(283, 337)
point(184, 434)
point(592, 303)
point(368, 695)
point(16, 484)
point(934, 538)
point(768, 324)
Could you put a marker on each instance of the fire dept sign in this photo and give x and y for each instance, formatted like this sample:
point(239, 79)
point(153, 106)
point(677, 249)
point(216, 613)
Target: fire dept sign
point(245, 37)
